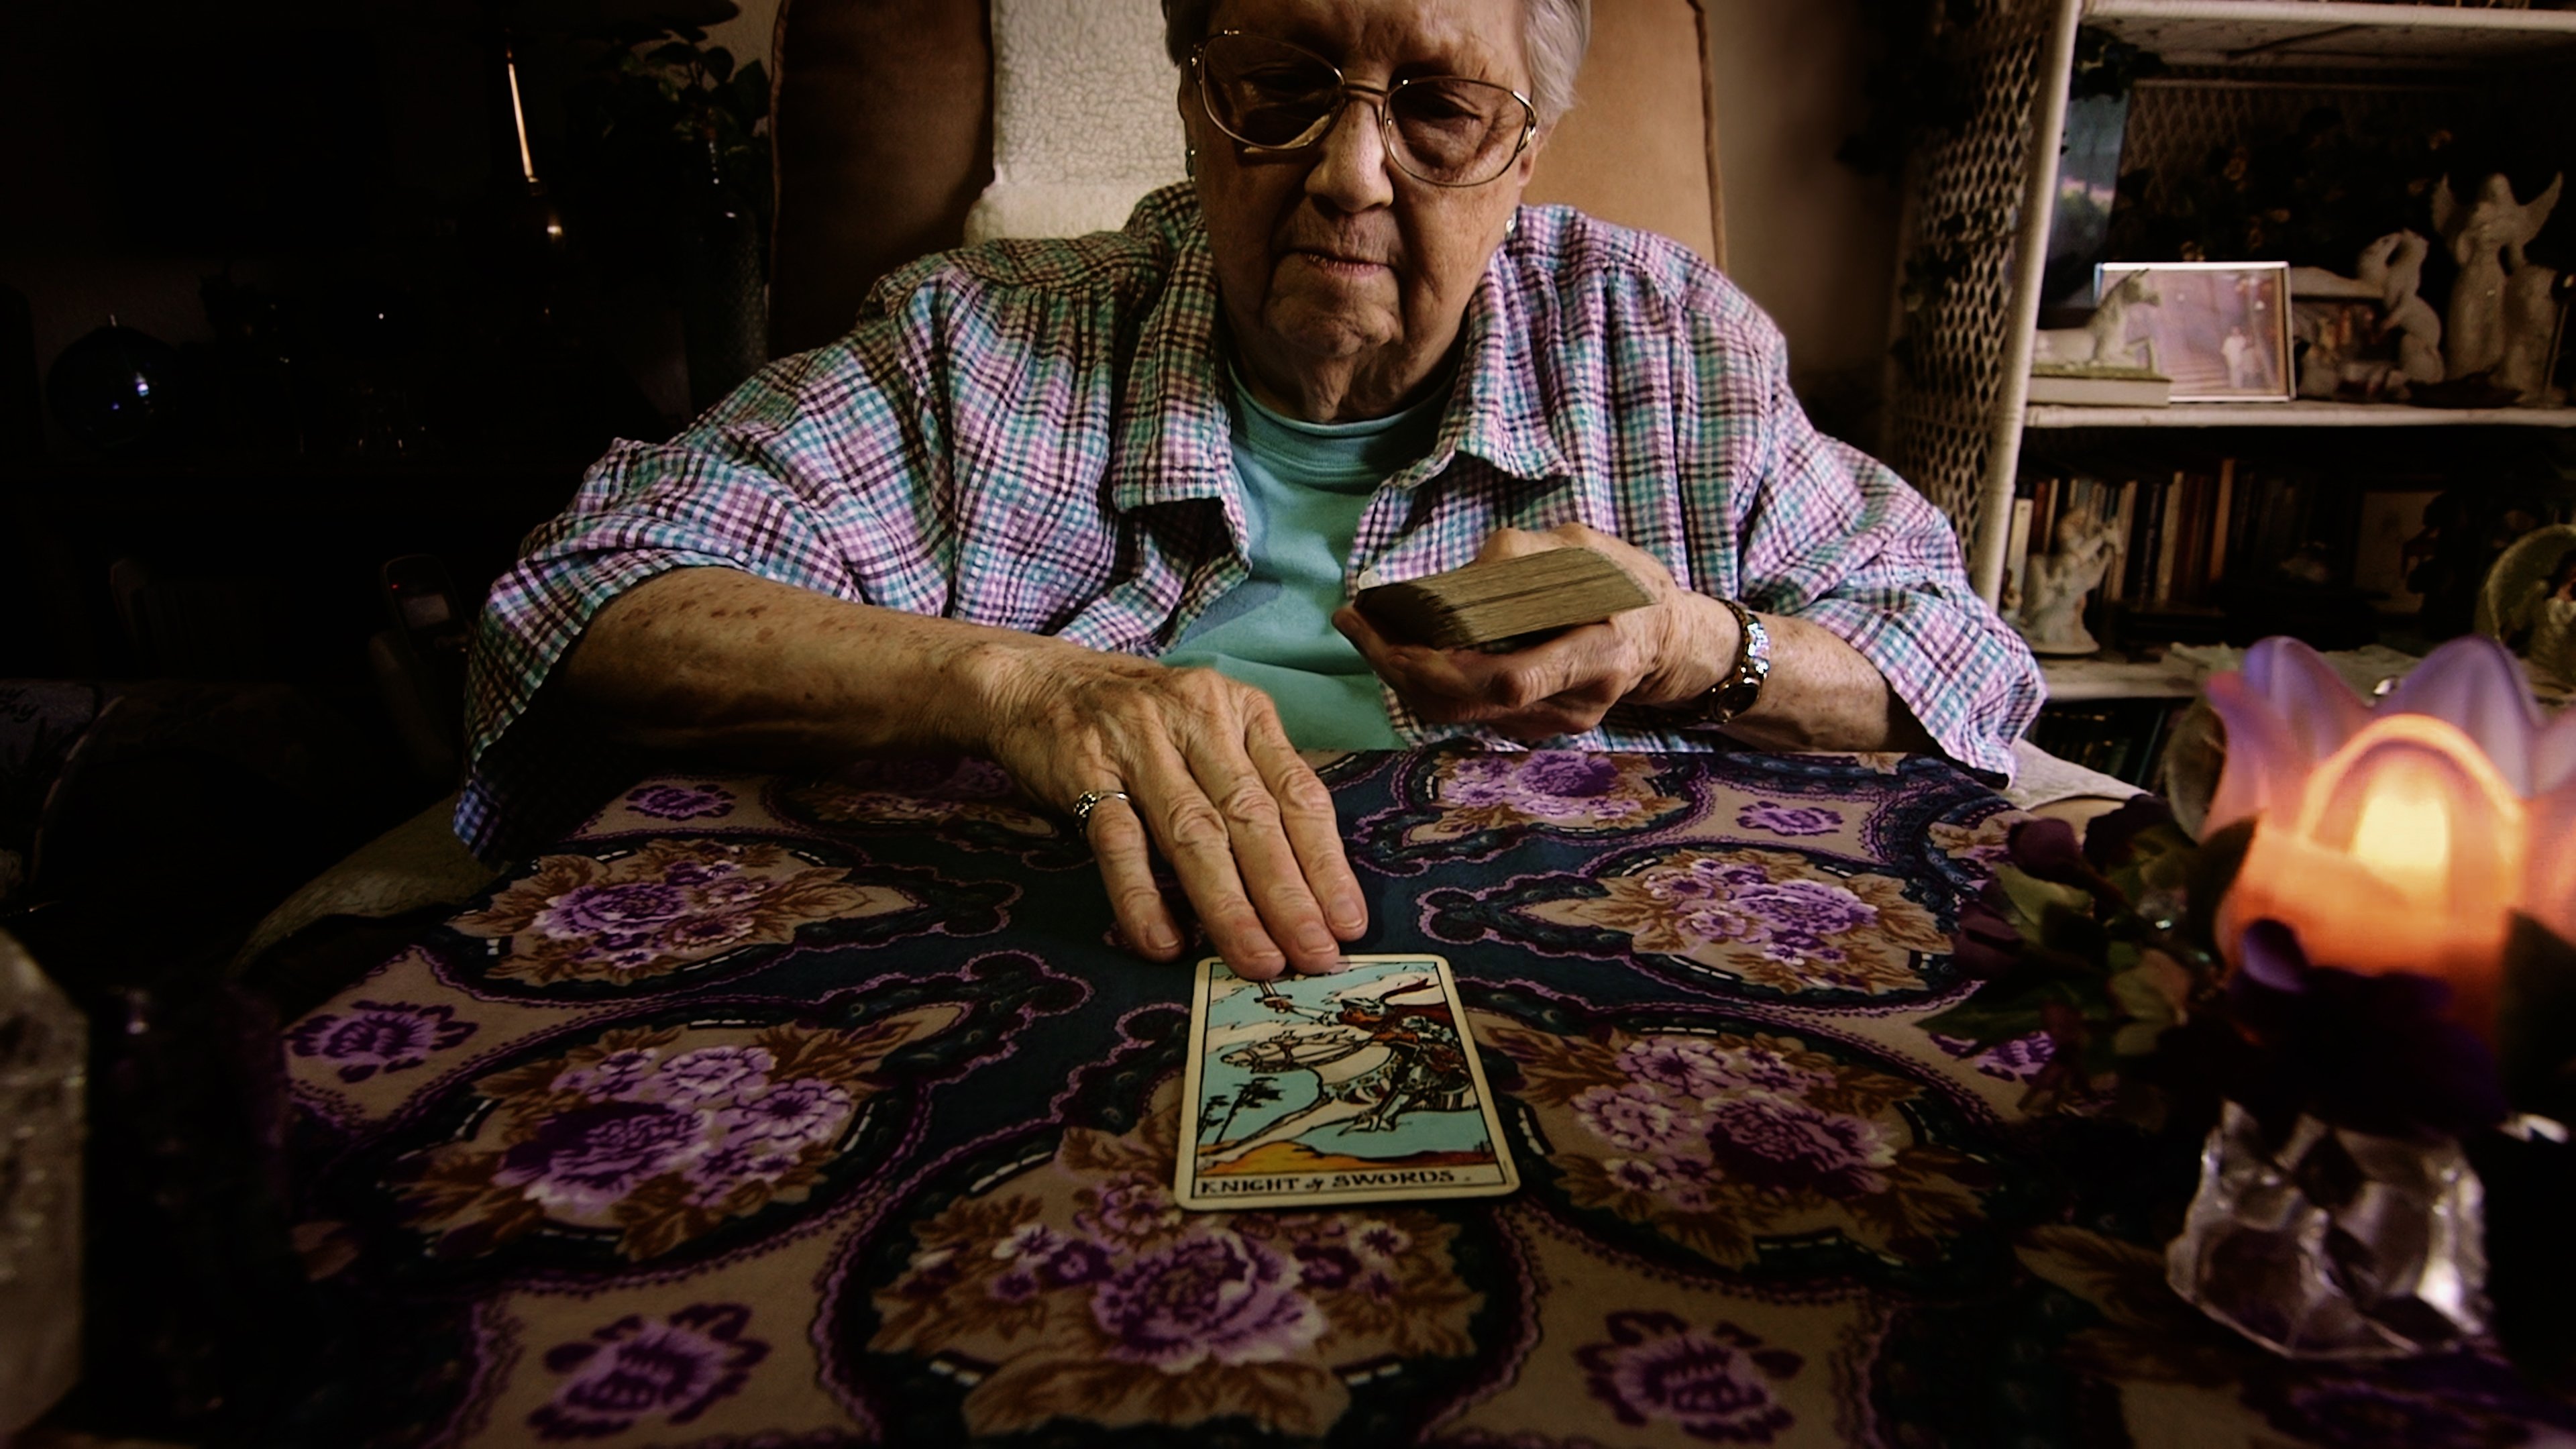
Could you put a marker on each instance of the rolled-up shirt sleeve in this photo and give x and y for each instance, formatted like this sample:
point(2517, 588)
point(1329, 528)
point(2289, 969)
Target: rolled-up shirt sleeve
point(784, 480)
point(1832, 536)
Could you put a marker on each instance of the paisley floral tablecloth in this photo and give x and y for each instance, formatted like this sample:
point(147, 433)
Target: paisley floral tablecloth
point(770, 1112)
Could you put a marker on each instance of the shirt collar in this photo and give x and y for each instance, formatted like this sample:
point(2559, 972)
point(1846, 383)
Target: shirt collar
point(1177, 424)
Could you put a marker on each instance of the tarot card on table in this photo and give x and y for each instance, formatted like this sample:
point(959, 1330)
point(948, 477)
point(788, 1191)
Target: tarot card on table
point(1361, 1086)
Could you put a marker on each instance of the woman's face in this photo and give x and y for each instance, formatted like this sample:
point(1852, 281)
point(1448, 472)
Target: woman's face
point(1344, 279)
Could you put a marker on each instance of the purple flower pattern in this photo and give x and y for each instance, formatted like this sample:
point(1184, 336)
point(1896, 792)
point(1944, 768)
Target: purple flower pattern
point(673, 1368)
point(1782, 819)
point(671, 904)
point(1713, 1139)
point(1716, 1385)
point(1211, 1295)
point(666, 801)
point(1783, 1145)
point(1082, 1277)
point(1772, 918)
point(2017, 1060)
point(724, 1128)
point(378, 1036)
point(1558, 790)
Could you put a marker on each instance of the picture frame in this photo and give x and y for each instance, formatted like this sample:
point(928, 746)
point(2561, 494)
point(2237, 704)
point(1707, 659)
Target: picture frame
point(2220, 330)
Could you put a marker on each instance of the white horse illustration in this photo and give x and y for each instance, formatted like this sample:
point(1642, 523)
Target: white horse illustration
point(1363, 1075)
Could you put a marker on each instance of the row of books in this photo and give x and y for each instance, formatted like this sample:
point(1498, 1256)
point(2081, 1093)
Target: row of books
point(2178, 538)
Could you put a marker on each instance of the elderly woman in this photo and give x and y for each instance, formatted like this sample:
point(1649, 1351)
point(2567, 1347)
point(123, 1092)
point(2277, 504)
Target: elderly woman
point(1094, 509)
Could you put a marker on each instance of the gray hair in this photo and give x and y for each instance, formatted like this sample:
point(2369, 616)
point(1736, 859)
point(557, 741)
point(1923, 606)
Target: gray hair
point(1554, 36)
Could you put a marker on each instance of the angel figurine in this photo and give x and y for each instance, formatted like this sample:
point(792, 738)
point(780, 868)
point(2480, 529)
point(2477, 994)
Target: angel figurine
point(2052, 602)
point(2499, 295)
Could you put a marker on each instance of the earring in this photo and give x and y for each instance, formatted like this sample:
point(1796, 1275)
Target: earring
point(1190, 163)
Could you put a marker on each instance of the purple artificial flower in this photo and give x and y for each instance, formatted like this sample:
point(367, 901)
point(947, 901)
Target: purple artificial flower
point(378, 1036)
point(587, 1159)
point(674, 1368)
point(681, 802)
point(1782, 819)
point(2049, 850)
point(2376, 1054)
point(1986, 943)
point(1715, 1386)
point(1211, 1295)
point(2107, 837)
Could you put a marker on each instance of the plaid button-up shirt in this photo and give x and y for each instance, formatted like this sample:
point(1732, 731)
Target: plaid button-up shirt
point(1035, 435)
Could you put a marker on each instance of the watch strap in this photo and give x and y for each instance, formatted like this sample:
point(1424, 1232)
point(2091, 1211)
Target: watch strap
point(1741, 685)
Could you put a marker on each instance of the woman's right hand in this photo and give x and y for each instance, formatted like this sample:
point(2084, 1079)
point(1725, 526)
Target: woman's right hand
point(1210, 778)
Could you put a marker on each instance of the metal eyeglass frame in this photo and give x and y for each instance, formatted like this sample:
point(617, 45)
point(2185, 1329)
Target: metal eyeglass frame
point(1384, 100)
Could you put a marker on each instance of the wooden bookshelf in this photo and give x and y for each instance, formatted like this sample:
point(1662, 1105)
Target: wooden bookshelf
point(2294, 415)
point(2328, 33)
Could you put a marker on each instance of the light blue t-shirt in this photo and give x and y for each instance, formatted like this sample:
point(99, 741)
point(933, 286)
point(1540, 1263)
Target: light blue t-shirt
point(1304, 487)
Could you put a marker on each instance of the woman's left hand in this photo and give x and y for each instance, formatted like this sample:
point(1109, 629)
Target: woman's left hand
point(1668, 653)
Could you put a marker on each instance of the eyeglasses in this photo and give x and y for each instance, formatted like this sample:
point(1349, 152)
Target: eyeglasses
point(1443, 129)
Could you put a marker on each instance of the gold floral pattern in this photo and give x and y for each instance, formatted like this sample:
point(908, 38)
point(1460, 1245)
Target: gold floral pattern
point(1720, 1141)
point(1771, 918)
point(1987, 842)
point(1090, 1294)
point(670, 905)
point(656, 1135)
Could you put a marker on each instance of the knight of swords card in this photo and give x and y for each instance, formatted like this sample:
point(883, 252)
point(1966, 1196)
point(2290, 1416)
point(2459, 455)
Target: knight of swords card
point(1361, 1086)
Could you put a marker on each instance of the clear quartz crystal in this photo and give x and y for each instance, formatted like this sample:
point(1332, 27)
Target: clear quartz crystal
point(43, 1053)
point(2334, 1244)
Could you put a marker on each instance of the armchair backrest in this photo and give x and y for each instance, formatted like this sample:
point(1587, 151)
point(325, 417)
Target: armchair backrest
point(884, 138)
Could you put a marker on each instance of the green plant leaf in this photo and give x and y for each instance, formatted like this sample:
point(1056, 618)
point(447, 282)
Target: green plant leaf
point(676, 53)
point(1992, 1017)
point(718, 61)
point(2031, 897)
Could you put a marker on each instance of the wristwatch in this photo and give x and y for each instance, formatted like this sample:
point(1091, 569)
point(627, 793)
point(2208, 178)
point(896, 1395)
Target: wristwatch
point(1737, 689)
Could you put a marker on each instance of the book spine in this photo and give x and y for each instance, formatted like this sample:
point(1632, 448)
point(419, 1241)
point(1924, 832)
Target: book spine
point(2125, 517)
point(2017, 547)
point(2220, 513)
point(2191, 559)
point(2165, 548)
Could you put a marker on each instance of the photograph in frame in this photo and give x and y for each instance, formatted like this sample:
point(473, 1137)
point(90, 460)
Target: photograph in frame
point(2220, 330)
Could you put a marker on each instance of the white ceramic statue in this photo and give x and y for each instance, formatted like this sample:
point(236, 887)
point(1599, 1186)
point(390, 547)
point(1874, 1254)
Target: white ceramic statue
point(2103, 342)
point(2410, 318)
point(2487, 237)
point(2388, 272)
point(2052, 599)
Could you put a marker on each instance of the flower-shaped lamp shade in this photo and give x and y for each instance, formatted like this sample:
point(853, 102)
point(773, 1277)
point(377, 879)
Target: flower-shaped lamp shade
point(2402, 838)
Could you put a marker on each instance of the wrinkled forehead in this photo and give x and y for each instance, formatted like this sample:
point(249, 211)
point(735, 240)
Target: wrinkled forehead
point(1476, 38)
